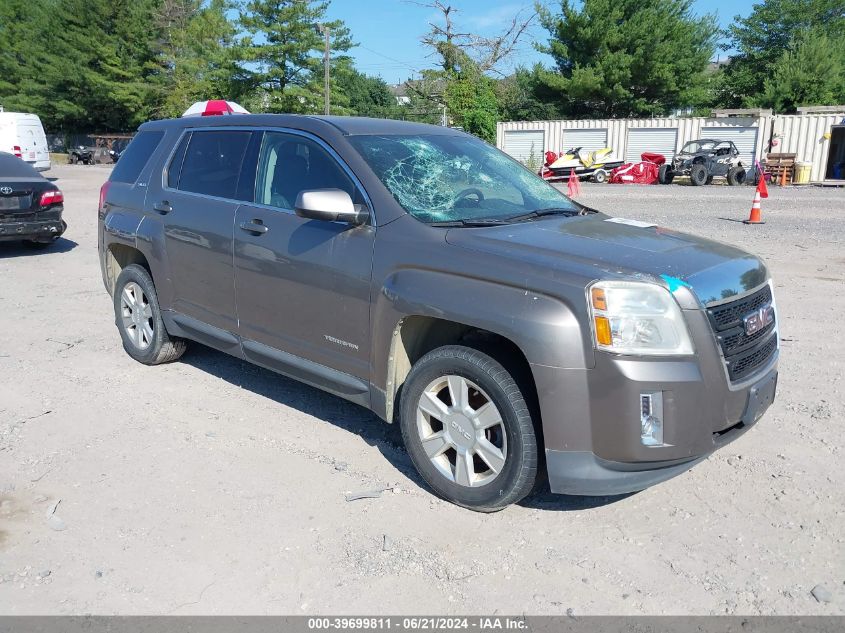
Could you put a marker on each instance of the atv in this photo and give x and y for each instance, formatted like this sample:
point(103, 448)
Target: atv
point(595, 165)
point(81, 154)
point(702, 160)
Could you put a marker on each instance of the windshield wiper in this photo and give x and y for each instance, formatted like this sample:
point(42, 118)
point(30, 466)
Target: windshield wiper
point(539, 213)
point(470, 222)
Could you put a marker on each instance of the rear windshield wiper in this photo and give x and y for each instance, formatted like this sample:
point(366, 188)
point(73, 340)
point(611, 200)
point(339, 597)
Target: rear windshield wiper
point(470, 222)
point(539, 213)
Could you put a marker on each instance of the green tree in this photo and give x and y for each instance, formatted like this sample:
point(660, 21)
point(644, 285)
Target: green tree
point(196, 55)
point(763, 37)
point(521, 97)
point(810, 72)
point(620, 58)
point(282, 53)
point(471, 104)
point(19, 45)
point(365, 95)
point(93, 72)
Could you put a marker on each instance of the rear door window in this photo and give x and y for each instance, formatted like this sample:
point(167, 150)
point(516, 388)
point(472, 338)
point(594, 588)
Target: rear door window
point(133, 160)
point(212, 164)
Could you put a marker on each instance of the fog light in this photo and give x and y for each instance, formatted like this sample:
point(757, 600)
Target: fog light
point(651, 419)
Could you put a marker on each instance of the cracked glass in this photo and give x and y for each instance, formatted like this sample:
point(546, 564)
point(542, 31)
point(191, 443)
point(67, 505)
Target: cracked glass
point(443, 178)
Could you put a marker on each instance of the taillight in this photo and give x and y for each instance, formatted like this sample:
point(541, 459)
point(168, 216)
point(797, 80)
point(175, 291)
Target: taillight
point(17, 151)
point(52, 197)
point(104, 190)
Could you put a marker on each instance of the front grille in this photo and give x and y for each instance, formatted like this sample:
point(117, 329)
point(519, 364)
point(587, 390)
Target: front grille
point(730, 314)
point(743, 353)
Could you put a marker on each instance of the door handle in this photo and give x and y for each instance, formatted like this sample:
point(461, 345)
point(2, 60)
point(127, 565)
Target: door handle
point(256, 227)
point(163, 207)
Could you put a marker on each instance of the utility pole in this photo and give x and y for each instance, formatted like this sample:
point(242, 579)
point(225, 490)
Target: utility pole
point(322, 28)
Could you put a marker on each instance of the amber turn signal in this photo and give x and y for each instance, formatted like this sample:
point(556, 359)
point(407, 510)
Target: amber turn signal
point(598, 298)
point(603, 331)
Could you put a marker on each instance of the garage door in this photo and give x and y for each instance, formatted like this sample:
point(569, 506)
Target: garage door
point(522, 144)
point(745, 139)
point(658, 141)
point(585, 139)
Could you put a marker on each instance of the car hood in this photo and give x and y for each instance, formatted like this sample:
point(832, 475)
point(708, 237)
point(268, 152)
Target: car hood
point(613, 248)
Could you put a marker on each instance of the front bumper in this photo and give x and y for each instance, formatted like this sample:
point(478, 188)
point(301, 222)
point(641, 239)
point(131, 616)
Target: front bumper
point(585, 473)
point(40, 229)
point(591, 417)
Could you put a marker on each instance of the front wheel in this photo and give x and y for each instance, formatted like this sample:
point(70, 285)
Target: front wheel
point(138, 319)
point(468, 429)
point(698, 174)
point(600, 176)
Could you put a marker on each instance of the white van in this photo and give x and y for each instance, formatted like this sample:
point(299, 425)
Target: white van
point(23, 135)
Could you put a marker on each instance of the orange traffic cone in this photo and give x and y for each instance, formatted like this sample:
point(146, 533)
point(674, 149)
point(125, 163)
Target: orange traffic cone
point(574, 185)
point(783, 177)
point(755, 216)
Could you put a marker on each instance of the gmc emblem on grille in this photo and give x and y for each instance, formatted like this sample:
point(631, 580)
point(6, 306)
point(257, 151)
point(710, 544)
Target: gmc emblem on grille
point(758, 319)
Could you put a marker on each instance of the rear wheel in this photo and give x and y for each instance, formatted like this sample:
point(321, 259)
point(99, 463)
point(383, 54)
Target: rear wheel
point(468, 429)
point(698, 174)
point(736, 175)
point(600, 176)
point(138, 319)
point(665, 175)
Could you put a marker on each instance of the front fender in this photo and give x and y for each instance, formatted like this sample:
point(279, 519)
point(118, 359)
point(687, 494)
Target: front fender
point(545, 328)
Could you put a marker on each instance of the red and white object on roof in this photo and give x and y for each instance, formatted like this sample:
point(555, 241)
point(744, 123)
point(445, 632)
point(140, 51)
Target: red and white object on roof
point(215, 107)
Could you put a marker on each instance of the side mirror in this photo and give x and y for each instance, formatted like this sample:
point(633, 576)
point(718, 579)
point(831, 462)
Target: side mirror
point(329, 205)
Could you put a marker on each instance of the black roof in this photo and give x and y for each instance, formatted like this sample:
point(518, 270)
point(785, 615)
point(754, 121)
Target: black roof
point(346, 125)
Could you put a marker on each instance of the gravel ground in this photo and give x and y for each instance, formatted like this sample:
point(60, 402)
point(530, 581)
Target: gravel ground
point(212, 486)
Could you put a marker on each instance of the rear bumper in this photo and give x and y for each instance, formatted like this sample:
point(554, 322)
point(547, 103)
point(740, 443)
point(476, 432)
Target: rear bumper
point(32, 230)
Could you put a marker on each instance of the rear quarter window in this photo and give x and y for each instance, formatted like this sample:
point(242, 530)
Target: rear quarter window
point(136, 156)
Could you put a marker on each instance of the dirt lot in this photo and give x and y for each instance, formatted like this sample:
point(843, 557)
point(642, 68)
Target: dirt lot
point(211, 486)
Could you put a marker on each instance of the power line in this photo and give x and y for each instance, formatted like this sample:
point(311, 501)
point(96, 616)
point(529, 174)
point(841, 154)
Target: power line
point(393, 59)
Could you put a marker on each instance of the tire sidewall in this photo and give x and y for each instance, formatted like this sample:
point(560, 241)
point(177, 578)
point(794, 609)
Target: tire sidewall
point(737, 175)
point(517, 424)
point(698, 167)
point(137, 274)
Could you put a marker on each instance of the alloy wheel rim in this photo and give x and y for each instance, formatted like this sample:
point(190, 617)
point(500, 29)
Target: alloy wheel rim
point(462, 431)
point(137, 315)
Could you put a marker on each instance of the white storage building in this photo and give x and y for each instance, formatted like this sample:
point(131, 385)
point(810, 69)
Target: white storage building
point(815, 135)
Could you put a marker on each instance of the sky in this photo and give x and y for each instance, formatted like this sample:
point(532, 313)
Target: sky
point(388, 31)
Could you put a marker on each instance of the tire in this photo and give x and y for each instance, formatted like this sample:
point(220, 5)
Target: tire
point(698, 174)
point(144, 339)
point(600, 176)
point(502, 465)
point(665, 175)
point(736, 175)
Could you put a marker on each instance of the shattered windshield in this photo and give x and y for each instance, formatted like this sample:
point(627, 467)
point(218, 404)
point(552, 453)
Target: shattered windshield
point(441, 178)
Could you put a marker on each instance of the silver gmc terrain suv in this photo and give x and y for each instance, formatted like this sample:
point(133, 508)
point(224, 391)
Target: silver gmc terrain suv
point(513, 334)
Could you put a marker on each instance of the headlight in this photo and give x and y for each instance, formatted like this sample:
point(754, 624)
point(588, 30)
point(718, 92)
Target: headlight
point(631, 317)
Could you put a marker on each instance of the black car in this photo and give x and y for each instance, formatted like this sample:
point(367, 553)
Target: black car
point(703, 159)
point(30, 205)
